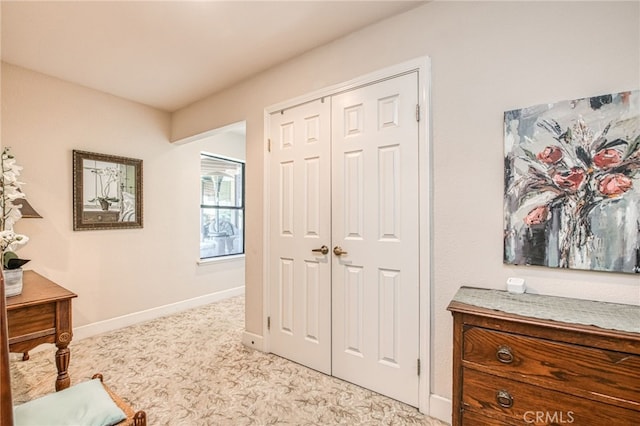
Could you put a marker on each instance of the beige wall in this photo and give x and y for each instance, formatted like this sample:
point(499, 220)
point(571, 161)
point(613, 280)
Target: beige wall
point(114, 272)
point(487, 57)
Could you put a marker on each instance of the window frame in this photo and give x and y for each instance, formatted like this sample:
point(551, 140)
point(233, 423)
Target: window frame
point(208, 207)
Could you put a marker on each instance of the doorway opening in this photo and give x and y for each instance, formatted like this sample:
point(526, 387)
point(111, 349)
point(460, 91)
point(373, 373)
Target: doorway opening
point(221, 155)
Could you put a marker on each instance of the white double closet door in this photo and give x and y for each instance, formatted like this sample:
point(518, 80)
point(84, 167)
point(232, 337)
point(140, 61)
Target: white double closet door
point(343, 236)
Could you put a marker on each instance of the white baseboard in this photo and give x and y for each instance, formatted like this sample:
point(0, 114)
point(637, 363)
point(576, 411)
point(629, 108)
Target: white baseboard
point(153, 313)
point(253, 341)
point(440, 408)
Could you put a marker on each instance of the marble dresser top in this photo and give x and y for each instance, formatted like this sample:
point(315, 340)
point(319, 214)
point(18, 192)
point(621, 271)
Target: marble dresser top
point(612, 316)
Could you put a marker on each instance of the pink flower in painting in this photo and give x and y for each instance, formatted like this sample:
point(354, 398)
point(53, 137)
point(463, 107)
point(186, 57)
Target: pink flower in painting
point(537, 216)
point(614, 185)
point(607, 158)
point(570, 180)
point(550, 155)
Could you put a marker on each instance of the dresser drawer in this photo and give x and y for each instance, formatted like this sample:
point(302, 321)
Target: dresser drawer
point(513, 402)
point(472, 418)
point(601, 375)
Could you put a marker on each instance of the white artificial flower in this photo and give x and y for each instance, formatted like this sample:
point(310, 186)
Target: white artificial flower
point(9, 212)
point(14, 194)
point(9, 240)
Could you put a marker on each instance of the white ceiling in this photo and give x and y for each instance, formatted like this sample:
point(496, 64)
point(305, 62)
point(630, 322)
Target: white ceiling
point(169, 54)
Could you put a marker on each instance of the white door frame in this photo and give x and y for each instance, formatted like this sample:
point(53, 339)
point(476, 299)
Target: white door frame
point(423, 66)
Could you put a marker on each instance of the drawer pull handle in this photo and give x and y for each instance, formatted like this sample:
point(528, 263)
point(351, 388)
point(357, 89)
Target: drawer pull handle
point(504, 355)
point(504, 399)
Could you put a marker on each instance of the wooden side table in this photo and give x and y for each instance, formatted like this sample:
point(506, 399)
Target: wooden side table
point(42, 314)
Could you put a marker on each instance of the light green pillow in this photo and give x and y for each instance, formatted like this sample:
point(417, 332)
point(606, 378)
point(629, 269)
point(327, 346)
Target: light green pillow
point(84, 404)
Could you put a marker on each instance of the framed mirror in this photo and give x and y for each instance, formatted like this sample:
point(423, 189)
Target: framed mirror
point(107, 191)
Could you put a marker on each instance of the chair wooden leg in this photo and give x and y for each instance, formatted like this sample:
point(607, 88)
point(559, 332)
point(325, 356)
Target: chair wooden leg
point(140, 418)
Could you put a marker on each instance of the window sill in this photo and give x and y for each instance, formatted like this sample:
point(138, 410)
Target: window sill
point(223, 259)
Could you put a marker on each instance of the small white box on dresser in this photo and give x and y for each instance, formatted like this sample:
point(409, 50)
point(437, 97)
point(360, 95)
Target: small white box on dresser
point(516, 285)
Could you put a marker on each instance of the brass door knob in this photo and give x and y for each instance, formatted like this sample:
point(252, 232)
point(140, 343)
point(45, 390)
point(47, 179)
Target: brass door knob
point(323, 250)
point(337, 250)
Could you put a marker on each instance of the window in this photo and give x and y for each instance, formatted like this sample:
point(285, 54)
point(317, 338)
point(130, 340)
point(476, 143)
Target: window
point(221, 207)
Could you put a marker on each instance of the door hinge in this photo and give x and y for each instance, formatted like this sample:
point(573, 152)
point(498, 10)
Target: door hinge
point(268, 323)
point(269, 144)
point(418, 112)
point(418, 366)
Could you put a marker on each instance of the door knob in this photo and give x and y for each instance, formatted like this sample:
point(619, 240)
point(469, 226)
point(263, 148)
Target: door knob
point(323, 250)
point(337, 250)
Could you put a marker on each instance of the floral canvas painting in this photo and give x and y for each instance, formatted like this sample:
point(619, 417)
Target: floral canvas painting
point(572, 184)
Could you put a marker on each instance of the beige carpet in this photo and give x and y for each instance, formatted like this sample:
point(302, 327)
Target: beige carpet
point(191, 369)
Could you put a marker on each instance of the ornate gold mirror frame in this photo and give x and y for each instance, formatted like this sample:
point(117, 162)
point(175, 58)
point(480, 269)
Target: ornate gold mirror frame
point(107, 191)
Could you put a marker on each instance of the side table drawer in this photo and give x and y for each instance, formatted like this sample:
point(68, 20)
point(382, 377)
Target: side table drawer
point(510, 402)
point(598, 374)
point(26, 321)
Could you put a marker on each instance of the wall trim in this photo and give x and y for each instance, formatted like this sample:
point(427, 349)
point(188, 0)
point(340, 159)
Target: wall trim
point(111, 324)
point(440, 408)
point(253, 341)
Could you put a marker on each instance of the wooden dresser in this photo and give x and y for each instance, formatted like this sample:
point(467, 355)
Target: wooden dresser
point(540, 360)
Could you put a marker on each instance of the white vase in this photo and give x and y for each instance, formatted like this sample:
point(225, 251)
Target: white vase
point(12, 282)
